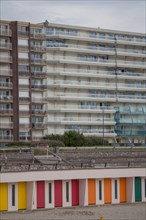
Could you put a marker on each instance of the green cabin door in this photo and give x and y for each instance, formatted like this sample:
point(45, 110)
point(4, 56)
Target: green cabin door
point(137, 189)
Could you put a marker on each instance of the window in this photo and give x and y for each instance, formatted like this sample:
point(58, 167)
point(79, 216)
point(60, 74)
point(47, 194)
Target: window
point(50, 192)
point(92, 34)
point(23, 55)
point(116, 189)
point(101, 35)
point(67, 191)
point(100, 190)
point(72, 32)
point(13, 195)
point(49, 30)
point(23, 68)
point(22, 28)
point(23, 42)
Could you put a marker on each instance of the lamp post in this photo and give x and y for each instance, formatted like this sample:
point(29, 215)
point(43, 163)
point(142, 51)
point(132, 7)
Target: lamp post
point(103, 126)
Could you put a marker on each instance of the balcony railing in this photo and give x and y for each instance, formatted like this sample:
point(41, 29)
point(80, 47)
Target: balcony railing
point(39, 74)
point(39, 112)
point(5, 45)
point(23, 33)
point(24, 137)
point(24, 125)
point(39, 100)
point(37, 35)
point(5, 59)
point(73, 119)
point(5, 72)
point(6, 137)
point(98, 37)
point(24, 73)
point(6, 125)
point(7, 85)
point(39, 86)
point(39, 125)
point(38, 48)
point(6, 111)
point(97, 61)
point(6, 97)
point(40, 61)
point(96, 132)
point(5, 32)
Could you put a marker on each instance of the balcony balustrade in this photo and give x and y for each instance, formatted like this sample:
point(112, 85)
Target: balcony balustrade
point(4, 45)
point(5, 59)
point(6, 98)
point(4, 72)
point(6, 125)
point(6, 137)
point(6, 111)
point(39, 74)
point(5, 32)
point(7, 85)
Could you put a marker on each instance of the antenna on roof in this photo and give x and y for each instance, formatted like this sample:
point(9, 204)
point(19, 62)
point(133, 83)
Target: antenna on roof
point(46, 22)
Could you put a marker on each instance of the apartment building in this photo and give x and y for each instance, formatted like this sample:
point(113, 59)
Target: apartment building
point(56, 78)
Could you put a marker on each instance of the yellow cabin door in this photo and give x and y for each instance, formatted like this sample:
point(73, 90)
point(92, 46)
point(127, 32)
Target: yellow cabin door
point(22, 195)
point(3, 196)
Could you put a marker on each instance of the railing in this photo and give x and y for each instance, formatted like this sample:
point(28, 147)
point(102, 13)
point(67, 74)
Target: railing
point(23, 33)
point(104, 49)
point(103, 61)
point(37, 86)
point(38, 111)
point(6, 84)
point(81, 107)
point(6, 97)
point(37, 35)
point(4, 59)
point(38, 48)
point(5, 45)
point(39, 125)
point(71, 119)
point(6, 124)
point(98, 37)
point(34, 99)
point(38, 74)
point(6, 32)
point(6, 111)
point(5, 72)
point(38, 60)
point(6, 137)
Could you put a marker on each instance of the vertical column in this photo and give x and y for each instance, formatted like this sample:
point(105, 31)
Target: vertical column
point(12, 197)
point(49, 194)
point(91, 192)
point(107, 191)
point(22, 195)
point(75, 192)
point(115, 191)
point(67, 196)
point(83, 192)
point(58, 193)
point(123, 190)
point(100, 191)
point(130, 189)
point(31, 195)
point(143, 181)
point(3, 196)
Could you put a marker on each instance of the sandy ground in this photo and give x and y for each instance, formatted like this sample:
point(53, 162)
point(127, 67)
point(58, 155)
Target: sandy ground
point(109, 212)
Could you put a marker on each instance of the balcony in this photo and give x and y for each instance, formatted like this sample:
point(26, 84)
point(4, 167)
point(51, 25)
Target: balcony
point(39, 125)
point(82, 121)
point(6, 85)
point(96, 38)
point(132, 121)
point(5, 59)
point(24, 99)
point(6, 125)
point(39, 74)
point(25, 73)
point(96, 132)
point(5, 46)
point(140, 133)
point(38, 61)
point(6, 98)
point(40, 36)
point(5, 32)
point(97, 50)
point(96, 61)
point(7, 111)
point(39, 100)
point(24, 137)
point(24, 125)
point(96, 74)
point(39, 86)
point(99, 85)
point(6, 138)
point(5, 72)
point(23, 33)
point(40, 49)
point(81, 109)
point(39, 112)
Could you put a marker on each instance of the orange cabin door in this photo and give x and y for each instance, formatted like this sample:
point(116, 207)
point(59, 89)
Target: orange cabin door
point(91, 192)
point(107, 191)
point(122, 190)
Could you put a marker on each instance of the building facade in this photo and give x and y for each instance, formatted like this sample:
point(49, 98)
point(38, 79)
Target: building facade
point(55, 78)
point(30, 190)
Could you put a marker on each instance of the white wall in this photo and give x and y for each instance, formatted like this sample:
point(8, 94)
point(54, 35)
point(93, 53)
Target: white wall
point(130, 190)
point(114, 201)
point(10, 207)
point(83, 192)
point(47, 204)
point(65, 203)
point(99, 202)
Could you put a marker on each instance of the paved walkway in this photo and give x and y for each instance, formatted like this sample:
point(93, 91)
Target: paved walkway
point(110, 212)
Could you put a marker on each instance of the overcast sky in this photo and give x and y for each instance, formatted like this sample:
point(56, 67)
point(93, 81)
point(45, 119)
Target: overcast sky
point(128, 15)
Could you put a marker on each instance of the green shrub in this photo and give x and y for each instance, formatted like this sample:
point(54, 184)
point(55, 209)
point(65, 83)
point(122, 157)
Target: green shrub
point(21, 144)
point(95, 141)
point(73, 138)
point(56, 137)
point(55, 143)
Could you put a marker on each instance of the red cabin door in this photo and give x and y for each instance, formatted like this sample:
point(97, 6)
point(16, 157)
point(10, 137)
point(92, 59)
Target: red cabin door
point(75, 192)
point(40, 194)
point(58, 193)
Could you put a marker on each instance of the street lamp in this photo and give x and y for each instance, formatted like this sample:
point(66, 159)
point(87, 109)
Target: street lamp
point(103, 126)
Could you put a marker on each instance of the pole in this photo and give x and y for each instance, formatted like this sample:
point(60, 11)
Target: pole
point(103, 125)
